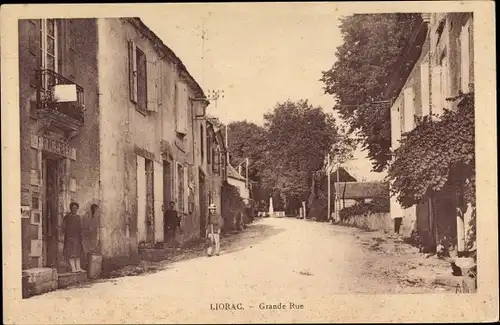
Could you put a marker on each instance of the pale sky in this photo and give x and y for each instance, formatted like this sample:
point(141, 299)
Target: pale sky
point(258, 53)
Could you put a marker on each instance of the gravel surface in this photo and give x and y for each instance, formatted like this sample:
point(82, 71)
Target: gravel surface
point(274, 260)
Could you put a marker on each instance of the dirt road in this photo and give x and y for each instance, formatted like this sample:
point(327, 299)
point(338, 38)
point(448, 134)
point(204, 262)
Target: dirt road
point(294, 263)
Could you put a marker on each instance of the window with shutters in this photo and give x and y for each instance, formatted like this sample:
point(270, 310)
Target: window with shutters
point(445, 83)
point(216, 161)
point(142, 80)
point(143, 83)
point(396, 123)
point(465, 57)
point(180, 187)
point(409, 109)
point(202, 143)
point(181, 107)
point(47, 49)
point(436, 95)
point(209, 152)
point(424, 86)
point(71, 49)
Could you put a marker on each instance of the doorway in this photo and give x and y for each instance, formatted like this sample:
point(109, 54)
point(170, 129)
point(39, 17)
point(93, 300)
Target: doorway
point(50, 212)
point(167, 192)
point(150, 202)
point(203, 207)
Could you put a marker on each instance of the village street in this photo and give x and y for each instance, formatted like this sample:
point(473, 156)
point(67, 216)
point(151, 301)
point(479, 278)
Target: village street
point(274, 260)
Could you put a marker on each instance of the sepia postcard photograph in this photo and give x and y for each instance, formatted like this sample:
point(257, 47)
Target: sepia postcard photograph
point(288, 162)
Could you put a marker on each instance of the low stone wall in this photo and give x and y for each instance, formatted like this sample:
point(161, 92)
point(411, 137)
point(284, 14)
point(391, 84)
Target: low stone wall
point(374, 221)
point(380, 221)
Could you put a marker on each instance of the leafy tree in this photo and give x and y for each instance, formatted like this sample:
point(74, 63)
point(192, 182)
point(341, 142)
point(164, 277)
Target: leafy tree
point(299, 137)
point(247, 140)
point(359, 75)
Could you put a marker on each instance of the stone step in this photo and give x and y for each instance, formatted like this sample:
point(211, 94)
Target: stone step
point(39, 280)
point(41, 274)
point(70, 278)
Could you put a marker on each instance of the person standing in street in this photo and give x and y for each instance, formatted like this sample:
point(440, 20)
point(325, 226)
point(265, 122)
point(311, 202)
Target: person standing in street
point(171, 221)
point(213, 230)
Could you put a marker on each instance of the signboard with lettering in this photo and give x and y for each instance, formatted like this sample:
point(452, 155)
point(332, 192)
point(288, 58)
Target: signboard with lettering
point(55, 146)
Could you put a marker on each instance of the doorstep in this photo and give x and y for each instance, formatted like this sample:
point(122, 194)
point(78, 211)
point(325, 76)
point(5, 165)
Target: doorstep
point(70, 278)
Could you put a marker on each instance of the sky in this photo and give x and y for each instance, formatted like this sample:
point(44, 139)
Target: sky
point(259, 54)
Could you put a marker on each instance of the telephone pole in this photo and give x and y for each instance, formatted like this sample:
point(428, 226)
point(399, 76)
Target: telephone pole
point(329, 188)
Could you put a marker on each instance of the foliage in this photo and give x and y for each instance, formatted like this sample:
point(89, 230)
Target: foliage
point(299, 137)
point(232, 207)
point(436, 152)
point(359, 76)
point(247, 140)
point(377, 205)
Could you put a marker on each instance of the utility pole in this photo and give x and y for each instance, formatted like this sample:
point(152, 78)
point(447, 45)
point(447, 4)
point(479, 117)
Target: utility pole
point(337, 198)
point(246, 171)
point(329, 189)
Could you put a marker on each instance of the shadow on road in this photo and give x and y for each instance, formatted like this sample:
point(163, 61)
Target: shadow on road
point(230, 243)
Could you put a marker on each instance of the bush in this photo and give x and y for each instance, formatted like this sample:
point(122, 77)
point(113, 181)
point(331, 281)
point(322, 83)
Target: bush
point(319, 209)
point(378, 205)
point(233, 208)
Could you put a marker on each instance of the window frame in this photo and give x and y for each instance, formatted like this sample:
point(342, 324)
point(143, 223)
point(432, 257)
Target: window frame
point(141, 106)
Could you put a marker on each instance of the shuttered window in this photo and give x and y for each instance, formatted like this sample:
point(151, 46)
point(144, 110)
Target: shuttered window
point(424, 87)
point(142, 78)
point(437, 107)
point(181, 107)
point(409, 109)
point(180, 187)
point(132, 71)
point(465, 57)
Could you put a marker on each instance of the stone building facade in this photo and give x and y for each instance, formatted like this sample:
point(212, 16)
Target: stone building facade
point(111, 119)
point(438, 63)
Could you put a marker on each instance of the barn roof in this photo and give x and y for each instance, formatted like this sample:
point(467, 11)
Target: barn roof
point(362, 190)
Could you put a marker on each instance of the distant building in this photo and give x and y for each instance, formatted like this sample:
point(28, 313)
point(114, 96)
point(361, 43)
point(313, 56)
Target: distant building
point(236, 179)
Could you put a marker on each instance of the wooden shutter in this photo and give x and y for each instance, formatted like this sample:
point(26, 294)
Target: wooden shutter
point(186, 188)
point(464, 57)
point(34, 37)
point(34, 48)
point(158, 201)
point(445, 84)
point(181, 107)
point(151, 76)
point(159, 88)
point(141, 199)
point(132, 71)
point(424, 89)
point(436, 90)
point(409, 109)
point(395, 125)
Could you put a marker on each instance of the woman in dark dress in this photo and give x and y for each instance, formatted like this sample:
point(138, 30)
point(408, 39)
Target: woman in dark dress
point(73, 245)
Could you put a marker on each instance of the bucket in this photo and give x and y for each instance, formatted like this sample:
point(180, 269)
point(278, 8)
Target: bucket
point(95, 266)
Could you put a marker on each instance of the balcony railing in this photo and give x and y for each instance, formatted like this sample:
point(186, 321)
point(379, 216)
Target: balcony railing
point(47, 103)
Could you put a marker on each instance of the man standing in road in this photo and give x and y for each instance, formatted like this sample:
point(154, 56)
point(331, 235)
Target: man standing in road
point(171, 221)
point(213, 230)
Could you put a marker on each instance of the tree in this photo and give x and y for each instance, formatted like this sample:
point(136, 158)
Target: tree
point(299, 137)
point(247, 140)
point(359, 76)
